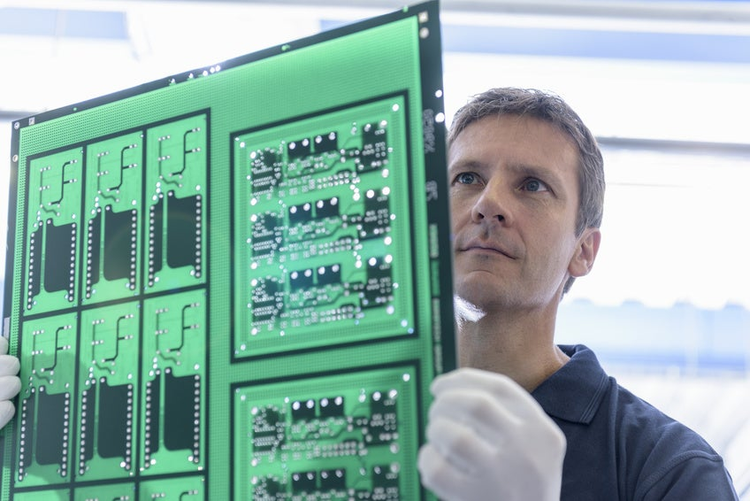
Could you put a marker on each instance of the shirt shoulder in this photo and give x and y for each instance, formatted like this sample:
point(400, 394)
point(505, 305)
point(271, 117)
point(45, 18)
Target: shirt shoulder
point(622, 447)
point(662, 458)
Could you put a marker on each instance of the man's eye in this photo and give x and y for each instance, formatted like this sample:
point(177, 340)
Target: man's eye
point(466, 178)
point(534, 185)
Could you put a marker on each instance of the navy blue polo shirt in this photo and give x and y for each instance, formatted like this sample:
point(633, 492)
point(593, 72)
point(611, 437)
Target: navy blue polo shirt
point(622, 448)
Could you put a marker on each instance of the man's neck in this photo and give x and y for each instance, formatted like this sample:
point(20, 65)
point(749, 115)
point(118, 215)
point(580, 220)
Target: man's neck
point(519, 346)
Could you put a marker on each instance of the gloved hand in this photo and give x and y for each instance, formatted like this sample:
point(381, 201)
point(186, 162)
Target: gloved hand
point(489, 439)
point(10, 384)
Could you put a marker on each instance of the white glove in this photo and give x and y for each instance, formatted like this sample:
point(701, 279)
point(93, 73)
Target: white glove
point(488, 439)
point(10, 384)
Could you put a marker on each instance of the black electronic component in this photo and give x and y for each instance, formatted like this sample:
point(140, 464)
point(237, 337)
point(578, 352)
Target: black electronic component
point(265, 168)
point(374, 147)
point(181, 417)
point(379, 286)
point(267, 300)
point(267, 234)
point(303, 410)
point(333, 480)
point(183, 236)
point(327, 275)
point(298, 149)
point(301, 279)
point(59, 254)
point(385, 480)
point(268, 430)
point(331, 407)
point(378, 268)
point(325, 143)
point(327, 208)
point(300, 213)
point(306, 481)
point(120, 233)
point(53, 423)
point(383, 424)
point(115, 420)
point(377, 216)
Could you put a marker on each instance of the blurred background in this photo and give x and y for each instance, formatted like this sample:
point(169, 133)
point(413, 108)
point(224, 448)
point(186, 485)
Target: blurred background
point(664, 85)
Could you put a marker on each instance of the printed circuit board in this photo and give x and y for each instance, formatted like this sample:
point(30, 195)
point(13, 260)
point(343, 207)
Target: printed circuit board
point(235, 283)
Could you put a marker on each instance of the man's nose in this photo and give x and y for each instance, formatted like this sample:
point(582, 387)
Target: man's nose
point(492, 205)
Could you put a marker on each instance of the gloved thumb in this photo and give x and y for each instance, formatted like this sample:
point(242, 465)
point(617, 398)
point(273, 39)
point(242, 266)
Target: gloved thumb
point(7, 410)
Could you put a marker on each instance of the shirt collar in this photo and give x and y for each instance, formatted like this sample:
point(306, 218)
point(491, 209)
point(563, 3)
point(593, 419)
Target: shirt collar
point(575, 392)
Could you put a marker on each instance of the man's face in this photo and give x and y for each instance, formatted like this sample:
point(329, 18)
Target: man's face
point(514, 201)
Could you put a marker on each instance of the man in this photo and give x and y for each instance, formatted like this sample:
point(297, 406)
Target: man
point(524, 419)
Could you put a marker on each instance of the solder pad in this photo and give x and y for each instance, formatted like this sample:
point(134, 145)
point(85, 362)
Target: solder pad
point(235, 283)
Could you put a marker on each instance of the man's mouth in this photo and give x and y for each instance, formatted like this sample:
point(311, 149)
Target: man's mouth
point(485, 247)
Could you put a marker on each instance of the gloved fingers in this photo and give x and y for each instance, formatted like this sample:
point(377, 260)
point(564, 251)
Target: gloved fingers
point(461, 446)
point(9, 387)
point(468, 377)
point(487, 429)
point(504, 389)
point(7, 410)
point(477, 410)
point(440, 476)
point(3, 345)
point(497, 423)
point(9, 365)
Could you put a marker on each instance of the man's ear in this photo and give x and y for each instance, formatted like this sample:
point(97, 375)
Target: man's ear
point(588, 247)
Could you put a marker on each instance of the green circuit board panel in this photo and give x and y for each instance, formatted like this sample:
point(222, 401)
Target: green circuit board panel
point(235, 283)
point(329, 437)
point(324, 226)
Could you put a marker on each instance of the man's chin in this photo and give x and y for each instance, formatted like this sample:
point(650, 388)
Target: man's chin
point(475, 286)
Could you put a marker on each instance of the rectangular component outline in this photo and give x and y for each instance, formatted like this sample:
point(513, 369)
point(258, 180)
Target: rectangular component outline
point(414, 365)
point(408, 158)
